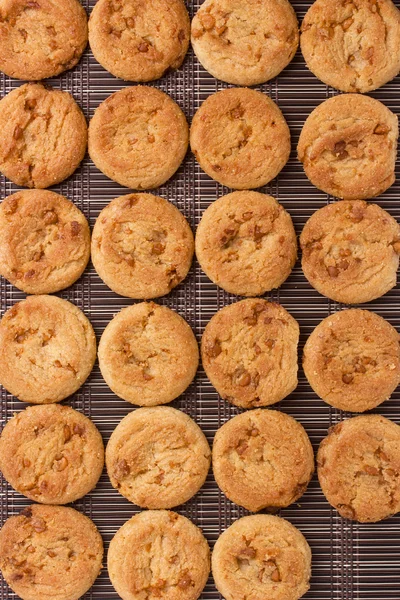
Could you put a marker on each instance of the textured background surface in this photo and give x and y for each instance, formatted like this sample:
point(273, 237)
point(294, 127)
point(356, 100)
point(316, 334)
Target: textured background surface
point(350, 561)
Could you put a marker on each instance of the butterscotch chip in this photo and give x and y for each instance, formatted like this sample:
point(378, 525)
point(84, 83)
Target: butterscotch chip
point(50, 553)
point(158, 457)
point(351, 251)
point(142, 246)
point(359, 468)
point(262, 459)
point(245, 43)
point(138, 137)
point(246, 243)
point(139, 41)
point(148, 354)
point(44, 241)
point(352, 46)
point(249, 353)
point(47, 349)
point(165, 539)
point(51, 454)
point(348, 147)
point(41, 38)
point(240, 138)
point(262, 556)
point(352, 360)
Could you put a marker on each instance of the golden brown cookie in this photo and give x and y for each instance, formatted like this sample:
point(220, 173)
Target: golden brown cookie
point(246, 243)
point(359, 468)
point(352, 360)
point(44, 135)
point(52, 454)
point(348, 147)
point(262, 556)
point(44, 241)
point(158, 457)
point(139, 41)
point(159, 554)
point(142, 246)
point(148, 354)
point(41, 38)
point(240, 138)
point(249, 353)
point(352, 46)
point(138, 137)
point(50, 553)
point(351, 251)
point(47, 349)
point(245, 43)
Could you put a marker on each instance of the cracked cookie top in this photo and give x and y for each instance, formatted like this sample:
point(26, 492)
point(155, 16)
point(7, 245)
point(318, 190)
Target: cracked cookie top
point(245, 43)
point(352, 45)
point(139, 40)
point(359, 468)
point(240, 138)
point(348, 147)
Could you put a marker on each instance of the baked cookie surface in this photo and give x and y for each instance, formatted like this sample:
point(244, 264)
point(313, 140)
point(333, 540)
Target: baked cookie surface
point(240, 138)
point(249, 353)
point(348, 147)
point(142, 246)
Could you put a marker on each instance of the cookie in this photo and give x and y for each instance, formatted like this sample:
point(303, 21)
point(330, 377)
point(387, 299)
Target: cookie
point(352, 360)
point(240, 138)
point(41, 38)
point(262, 556)
point(359, 468)
point(52, 454)
point(245, 43)
point(262, 459)
point(138, 137)
point(44, 136)
point(352, 46)
point(351, 251)
point(47, 349)
point(44, 241)
point(246, 243)
point(148, 354)
point(157, 457)
point(348, 147)
point(159, 554)
point(139, 41)
point(142, 246)
point(50, 553)
point(249, 353)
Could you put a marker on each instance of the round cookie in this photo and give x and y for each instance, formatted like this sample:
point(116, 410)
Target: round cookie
point(142, 246)
point(44, 241)
point(245, 43)
point(262, 556)
point(138, 137)
point(41, 38)
point(148, 354)
point(352, 360)
point(52, 454)
point(359, 468)
point(351, 251)
point(167, 540)
point(50, 553)
point(246, 243)
point(348, 147)
point(262, 459)
point(47, 349)
point(158, 457)
point(249, 353)
point(352, 46)
point(240, 138)
point(139, 41)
